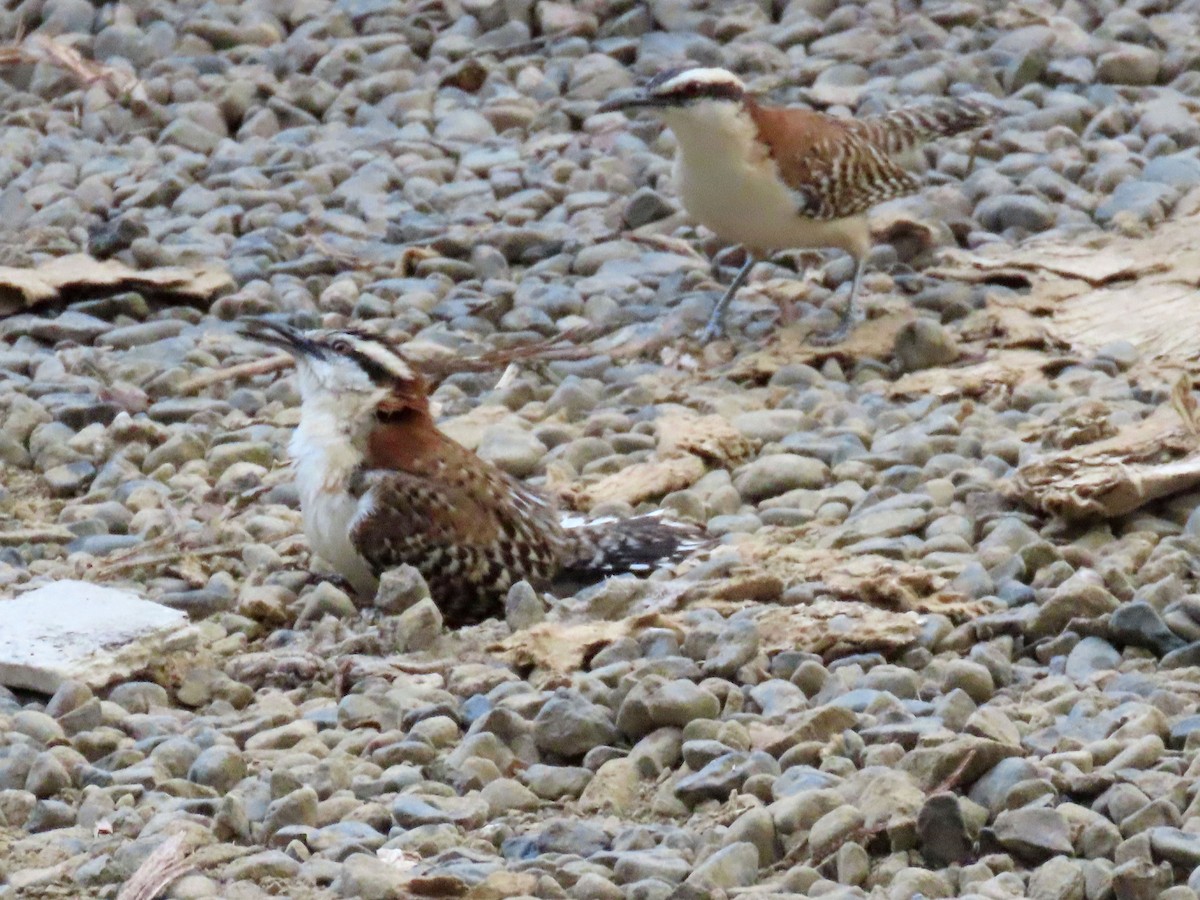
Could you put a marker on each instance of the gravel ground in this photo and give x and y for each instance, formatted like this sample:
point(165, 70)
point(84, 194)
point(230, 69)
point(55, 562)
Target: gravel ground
point(435, 168)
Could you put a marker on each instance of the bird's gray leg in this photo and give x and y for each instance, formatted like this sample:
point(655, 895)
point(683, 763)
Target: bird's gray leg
point(715, 327)
point(852, 316)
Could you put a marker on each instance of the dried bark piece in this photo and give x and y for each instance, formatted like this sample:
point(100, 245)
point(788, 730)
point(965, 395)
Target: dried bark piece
point(82, 277)
point(1153, 458)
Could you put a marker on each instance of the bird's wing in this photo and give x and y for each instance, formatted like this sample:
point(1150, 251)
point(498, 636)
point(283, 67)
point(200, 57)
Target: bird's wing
point(833, 169)
point(470, 541)
point(903, 130)
point(843, 175)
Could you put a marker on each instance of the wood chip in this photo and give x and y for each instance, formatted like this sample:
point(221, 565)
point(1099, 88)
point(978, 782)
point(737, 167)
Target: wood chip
point(564, 647)
point(642, 481)
point(710, 437)
point(1154, 458)
point(81, 277)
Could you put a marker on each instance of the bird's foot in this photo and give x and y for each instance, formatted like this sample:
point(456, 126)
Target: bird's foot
point(839, 334)
point(713, 331)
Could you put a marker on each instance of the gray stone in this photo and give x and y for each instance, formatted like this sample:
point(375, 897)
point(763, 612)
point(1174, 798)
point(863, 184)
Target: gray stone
point(661, 864)
point(400, 589)
point(722, 776)
point(1138, 624)
point(873, 524)
point(268, 864)
point(1060, 879)
point(736, 644)
point(517, 452)
point(655, 702)
point(730, 867)
point(924, 344)
point(1033, 835)
point(523, 606)
point(568, 725)
point(774, 474)
point(141, 334)
point(464, 125)
point(369, 877)
point(1090, 656)
point(941, 831)
point(556, 782)
point(1020, 211)
point(1146, 201)
point(757, 827)
point(413, 810)
point(1075, 598)
point(1128, 64)
point(992, 788)
point(418, 626)
point(297, 808)
point(1178, 170)
point(190, 135)
point(1180, 848)
point(69, 479)
point(220, 767)
point(47, 776)
point(644, 206)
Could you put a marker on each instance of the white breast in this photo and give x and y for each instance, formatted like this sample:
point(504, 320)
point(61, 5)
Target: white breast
point(325, 459)
point(729, 186)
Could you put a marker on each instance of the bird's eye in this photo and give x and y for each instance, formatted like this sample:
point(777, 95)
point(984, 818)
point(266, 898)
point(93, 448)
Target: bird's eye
point(340, 346)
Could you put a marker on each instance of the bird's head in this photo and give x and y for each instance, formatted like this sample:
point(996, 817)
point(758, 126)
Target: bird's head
point(358, 370)
point(676, 89)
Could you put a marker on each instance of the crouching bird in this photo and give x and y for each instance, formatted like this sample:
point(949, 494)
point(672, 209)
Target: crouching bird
point(778, 178)
point(380, 486)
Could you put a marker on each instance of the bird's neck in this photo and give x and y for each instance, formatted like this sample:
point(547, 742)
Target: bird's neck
point(713, 129)
point(339, 436)
point(330, 443)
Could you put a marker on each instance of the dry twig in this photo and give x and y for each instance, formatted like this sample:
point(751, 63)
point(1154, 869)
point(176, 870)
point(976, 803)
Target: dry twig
point(39, 48)
point(262, 366)
point(167, 863)
point(951, 780)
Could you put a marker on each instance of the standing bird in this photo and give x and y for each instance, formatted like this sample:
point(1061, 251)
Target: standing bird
point(381, 486)
point(773, 178)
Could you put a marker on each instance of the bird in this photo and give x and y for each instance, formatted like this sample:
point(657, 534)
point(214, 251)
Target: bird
point(774, 178)
point(381, 486)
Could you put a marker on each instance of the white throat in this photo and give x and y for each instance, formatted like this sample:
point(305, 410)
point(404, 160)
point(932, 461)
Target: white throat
point(713, 128)
point(327, 448)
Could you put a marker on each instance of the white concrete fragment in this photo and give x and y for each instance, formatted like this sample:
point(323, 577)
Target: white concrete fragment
point(81, 631)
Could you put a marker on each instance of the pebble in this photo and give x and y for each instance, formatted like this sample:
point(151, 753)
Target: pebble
point(924, 344)
point(730, 867)
point(569, 726)
point(941, 831)
point(1033, 835)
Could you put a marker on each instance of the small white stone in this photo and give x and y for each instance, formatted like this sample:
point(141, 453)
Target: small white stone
point(85, 632)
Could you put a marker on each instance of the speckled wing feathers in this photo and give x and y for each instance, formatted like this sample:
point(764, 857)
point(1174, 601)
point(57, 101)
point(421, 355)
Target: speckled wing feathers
point(846, 176)
point(473, 531)
point(842, 167)
point(471, 537)
point(639, 545)
point(902, 130)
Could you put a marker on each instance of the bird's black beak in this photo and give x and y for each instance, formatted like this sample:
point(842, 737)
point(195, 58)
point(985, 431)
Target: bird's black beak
point(624, 101)
point(279, 335)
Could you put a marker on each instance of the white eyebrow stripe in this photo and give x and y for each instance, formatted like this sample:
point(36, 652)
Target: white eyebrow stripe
point(699, 76)
point(383, 356)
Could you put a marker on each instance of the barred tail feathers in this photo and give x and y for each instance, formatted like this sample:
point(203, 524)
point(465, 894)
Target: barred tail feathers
point(902, 130)
point(637, 545)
